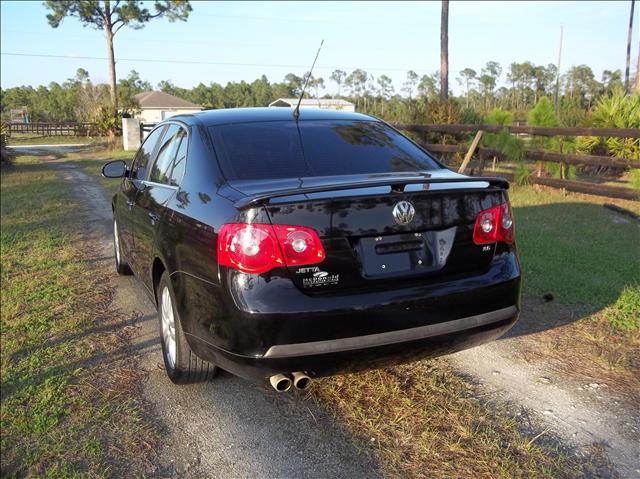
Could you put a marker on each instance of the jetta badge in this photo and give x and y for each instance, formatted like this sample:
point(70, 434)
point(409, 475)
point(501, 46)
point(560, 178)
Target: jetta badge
point(403, 212)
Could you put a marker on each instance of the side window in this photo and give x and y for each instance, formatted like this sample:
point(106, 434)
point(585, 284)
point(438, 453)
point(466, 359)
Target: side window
point(181, 158)
point(141, 161)
point(161, 169)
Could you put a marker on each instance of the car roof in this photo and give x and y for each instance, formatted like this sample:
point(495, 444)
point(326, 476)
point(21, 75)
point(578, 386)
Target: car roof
point(248, 115)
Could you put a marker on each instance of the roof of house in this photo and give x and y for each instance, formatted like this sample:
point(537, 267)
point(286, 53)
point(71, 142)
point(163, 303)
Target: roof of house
point(311, 101)
point(159, 99)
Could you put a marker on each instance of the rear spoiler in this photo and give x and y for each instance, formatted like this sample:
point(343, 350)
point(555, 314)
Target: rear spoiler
point(397, 184)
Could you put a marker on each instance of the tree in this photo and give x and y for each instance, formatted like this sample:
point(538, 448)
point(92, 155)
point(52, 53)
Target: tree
point(385, 89)
point(261, 90)
point(111, 17)
point(315, 83)
point(337, 76)
point(295, 83)
point(409, 85)
point(467, 76)
point(429, 86)
point(626, 71)
point(128, 88)
point(611, 80)
point(357, 82)
point(582, 86)
point(489, 79)
point(444, 51)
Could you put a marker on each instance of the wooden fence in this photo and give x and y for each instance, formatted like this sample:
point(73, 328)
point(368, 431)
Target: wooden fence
point(538, 155)
point(52, 129)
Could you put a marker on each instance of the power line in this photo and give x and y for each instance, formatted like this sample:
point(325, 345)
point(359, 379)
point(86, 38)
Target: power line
point(198, 62)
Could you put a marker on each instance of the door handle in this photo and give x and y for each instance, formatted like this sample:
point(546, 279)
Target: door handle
point(130, 204)
point(154, 218)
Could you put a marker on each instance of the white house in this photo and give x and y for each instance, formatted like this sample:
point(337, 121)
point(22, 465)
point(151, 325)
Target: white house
point(321, 103)
point(155, 106)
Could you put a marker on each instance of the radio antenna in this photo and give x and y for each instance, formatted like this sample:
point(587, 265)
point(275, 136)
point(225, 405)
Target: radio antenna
point(296, 111)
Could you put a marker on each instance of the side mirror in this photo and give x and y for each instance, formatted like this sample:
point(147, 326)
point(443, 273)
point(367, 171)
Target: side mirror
point(115, 169)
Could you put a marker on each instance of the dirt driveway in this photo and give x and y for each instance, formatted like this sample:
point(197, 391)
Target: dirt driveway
point(234, 428)
point(230, 427)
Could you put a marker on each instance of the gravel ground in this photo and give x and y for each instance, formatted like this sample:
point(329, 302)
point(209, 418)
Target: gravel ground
point(580, 414)
point(228, 428)
point(234, 428)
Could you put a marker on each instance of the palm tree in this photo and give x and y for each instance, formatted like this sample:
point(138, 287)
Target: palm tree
point(444, 51)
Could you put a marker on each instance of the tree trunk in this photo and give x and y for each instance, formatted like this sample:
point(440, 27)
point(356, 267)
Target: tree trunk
point(638, 71)
point(626, 71)
point(444, 51)
point(112, 67)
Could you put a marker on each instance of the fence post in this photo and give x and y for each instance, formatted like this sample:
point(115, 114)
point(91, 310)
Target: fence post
point(131, 133)
point(469, 154)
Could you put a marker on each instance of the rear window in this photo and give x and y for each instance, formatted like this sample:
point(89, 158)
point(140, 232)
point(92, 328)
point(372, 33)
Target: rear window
point(282, 149)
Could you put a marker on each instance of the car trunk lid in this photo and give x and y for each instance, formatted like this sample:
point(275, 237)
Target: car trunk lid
point(370, 237)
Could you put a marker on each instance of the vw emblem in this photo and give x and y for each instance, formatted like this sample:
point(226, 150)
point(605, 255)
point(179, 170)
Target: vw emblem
point(403, 212)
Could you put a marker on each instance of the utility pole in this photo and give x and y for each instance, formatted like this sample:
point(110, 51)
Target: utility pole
point(557, 93)
point(626, 71)
point(638, 71)
point(444, 51)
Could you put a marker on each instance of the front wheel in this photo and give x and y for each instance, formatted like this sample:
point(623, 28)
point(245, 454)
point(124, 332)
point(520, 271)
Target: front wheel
point(181, 364)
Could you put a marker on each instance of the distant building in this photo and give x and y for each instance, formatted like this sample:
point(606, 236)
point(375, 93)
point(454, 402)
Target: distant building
point(19, 115)
point(155, 106)
point(322, 103)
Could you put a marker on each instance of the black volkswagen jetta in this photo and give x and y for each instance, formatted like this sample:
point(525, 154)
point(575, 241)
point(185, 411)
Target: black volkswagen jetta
point(285, 249)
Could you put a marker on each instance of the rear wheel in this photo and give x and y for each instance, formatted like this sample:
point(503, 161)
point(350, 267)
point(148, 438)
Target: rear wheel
point(181, 364)
point(122, 267)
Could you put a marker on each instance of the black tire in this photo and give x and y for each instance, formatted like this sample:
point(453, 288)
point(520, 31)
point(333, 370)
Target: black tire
point(122, 267)
point(182, 366)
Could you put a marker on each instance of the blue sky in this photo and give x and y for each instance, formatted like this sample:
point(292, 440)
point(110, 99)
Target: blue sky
point(274, 38)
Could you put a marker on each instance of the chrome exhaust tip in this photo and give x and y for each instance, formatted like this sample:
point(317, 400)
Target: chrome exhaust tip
point(301, 381)
point(280, 383)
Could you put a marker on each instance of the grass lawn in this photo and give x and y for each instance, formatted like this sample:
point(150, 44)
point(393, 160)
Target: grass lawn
point(67, 407)
point(571, 246)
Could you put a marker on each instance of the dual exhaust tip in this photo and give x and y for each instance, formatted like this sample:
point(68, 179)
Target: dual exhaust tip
point(283, 382)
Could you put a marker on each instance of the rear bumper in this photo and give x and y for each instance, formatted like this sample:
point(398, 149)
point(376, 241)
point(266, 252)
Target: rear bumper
point(345, 355)
point(313, 348)
point(272, 327)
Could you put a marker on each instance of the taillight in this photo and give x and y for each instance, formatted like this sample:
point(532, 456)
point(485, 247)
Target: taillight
point(300, 245)
point(257, 248)
point(494, 224)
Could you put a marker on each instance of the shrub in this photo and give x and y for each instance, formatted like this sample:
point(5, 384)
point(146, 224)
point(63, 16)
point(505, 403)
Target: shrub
point(6, 156)
point(617, 111)
point(469, 116)
point(510, 146)
point(522, 174)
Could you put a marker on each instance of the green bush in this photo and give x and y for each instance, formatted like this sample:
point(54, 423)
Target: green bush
point(522, 174)
point(510, 146)
point(6, 156)
point(617, 111)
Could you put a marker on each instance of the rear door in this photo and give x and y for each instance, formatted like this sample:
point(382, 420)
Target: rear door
point(161, 185)
point(130, 190)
